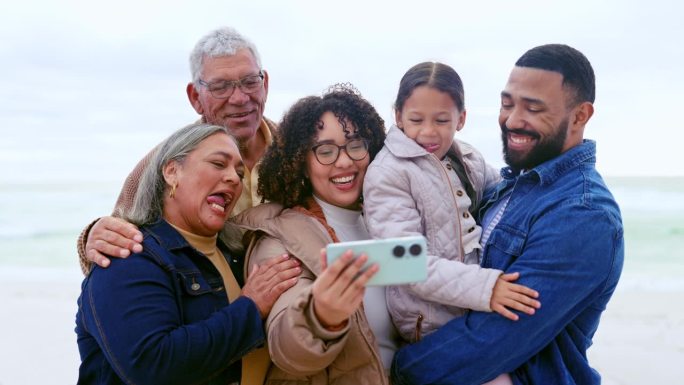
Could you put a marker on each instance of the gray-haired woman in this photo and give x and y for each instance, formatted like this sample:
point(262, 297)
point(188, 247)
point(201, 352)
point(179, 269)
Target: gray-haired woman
point(174, 313)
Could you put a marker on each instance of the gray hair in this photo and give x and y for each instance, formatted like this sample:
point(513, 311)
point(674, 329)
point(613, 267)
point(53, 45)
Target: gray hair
point(224, 41)
point(148, 204)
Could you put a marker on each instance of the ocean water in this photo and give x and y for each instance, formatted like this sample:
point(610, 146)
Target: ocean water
point(39, 223)
point(653, 216)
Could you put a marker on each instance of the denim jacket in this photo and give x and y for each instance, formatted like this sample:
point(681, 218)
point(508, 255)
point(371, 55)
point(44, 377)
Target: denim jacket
point(162, 317)
point(562, 231)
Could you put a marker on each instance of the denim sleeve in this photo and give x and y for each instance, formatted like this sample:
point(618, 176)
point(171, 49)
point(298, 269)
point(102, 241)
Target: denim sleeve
point(571, 266)
point(131, 310)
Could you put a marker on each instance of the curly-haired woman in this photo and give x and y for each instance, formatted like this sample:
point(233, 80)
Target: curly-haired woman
point(329, 327)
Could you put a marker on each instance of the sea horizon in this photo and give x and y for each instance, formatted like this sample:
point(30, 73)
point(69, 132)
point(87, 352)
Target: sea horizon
point(33, 212)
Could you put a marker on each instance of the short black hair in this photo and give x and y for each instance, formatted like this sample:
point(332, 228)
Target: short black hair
point(578, 75)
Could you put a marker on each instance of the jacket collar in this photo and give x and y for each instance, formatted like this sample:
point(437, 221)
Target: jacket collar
point(312, 233)
point(313, 209)
point(549, 171)
point(166, 235)
point(170, 239)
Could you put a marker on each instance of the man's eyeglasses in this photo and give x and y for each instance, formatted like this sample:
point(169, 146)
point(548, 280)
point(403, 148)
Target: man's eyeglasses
point(327, 153)
point(223, 89)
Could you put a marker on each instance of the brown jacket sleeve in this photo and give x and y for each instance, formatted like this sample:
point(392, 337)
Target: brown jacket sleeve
point(123, 204)
point(297, 342)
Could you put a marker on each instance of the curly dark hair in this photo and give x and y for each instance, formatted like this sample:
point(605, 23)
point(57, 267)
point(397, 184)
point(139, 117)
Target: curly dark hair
point(282, 171)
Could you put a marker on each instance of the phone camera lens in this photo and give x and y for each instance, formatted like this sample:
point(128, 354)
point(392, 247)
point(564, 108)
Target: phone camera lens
point(398, 251)
point(415, 250)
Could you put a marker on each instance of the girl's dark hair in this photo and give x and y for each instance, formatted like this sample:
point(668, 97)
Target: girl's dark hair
point(432, 74)
point(282, 171)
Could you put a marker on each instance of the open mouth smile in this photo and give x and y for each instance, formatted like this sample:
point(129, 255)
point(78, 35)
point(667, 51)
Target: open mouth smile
point(342, 180)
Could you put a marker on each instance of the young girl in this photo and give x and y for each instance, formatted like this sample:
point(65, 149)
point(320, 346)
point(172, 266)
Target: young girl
point(425, 182)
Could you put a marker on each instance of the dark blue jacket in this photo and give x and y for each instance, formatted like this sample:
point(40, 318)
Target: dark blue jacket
point(162, 317)
point(562, 231)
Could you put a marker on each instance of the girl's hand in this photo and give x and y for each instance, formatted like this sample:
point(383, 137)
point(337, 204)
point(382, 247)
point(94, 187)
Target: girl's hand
point(510, 295)
point(339, 290)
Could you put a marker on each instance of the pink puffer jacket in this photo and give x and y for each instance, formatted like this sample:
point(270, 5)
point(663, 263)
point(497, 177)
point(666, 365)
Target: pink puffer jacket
point(408, 191)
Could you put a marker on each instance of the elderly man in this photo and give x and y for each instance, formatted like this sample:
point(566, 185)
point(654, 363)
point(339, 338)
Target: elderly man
point(229, 88)
point(553, 220)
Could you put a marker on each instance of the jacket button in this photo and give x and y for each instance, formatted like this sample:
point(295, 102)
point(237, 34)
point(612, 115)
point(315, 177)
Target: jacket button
point(470, 230)
point(195, 286)
point(459, 193)
point(466, 215)
point(448, 166)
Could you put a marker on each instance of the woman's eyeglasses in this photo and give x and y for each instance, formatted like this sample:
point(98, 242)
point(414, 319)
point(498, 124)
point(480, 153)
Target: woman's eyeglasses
point(327, 153)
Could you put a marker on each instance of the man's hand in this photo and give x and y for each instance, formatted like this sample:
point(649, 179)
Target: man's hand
point(268, 281)
point(114, 237)
point(510, 295)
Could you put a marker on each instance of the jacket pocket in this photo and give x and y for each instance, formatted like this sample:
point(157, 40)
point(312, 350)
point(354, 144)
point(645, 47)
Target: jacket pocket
point(506, 242)
point(197, 298)
point(356, 357)
point(193, 283)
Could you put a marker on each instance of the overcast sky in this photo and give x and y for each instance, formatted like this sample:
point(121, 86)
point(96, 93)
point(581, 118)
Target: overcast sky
point(89, 87)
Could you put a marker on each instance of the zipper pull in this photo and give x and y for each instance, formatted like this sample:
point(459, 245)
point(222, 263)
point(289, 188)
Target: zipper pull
point(419, 326)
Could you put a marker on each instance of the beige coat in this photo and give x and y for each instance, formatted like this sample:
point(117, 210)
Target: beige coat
point(302, 350)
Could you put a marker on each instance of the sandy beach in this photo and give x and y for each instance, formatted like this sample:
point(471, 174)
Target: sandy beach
point(37, 327)
point(640, 340)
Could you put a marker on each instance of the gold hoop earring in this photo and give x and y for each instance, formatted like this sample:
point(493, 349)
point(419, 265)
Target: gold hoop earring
point(172, 193)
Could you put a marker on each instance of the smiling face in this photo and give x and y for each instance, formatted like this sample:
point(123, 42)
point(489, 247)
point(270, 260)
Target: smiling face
point(340, 183)
point(209, 183)
point(240, 113)
point(536, 122)
point(430, 117)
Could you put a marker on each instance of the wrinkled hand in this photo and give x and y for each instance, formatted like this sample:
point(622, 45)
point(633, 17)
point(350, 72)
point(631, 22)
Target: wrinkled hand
point(339, 290)
point(114, 237)
point(266, 282)
point(510, 295)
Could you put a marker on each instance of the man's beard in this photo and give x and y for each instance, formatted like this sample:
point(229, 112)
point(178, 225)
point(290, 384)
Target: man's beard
point(543, 151)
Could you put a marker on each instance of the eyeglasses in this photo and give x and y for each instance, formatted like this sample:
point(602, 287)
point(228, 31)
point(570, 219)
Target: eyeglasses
point(223, 89)
point(327, 153)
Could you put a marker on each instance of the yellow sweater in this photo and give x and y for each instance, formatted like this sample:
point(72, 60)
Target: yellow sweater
point(256, 363)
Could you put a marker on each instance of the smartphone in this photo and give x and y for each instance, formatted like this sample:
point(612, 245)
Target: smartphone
point(400, 260)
